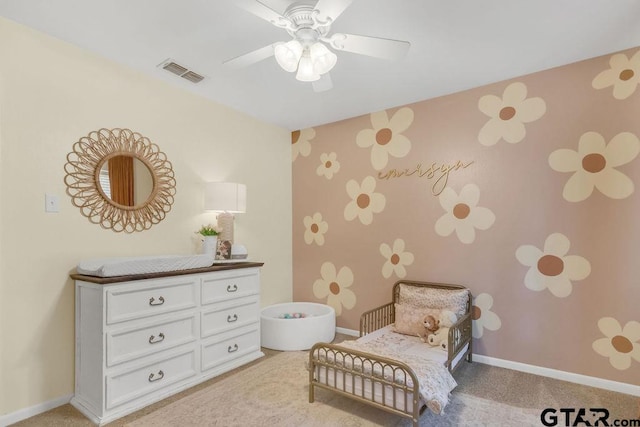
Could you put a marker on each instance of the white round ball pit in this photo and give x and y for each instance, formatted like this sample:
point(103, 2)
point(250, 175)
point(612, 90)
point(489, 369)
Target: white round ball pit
point(277, 333)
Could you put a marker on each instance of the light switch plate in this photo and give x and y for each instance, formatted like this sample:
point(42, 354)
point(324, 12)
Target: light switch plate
point(51, 203)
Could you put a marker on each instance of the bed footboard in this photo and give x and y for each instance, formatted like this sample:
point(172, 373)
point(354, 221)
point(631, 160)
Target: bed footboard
point(378, 381)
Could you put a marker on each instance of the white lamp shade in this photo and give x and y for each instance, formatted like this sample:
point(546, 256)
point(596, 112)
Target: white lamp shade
point(288, 55)
point(306, 72)
point(225, 197)
point(322, 58)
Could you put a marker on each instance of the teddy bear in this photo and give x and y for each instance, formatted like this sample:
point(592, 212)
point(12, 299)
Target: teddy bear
point(440, 338)
point(431, 325)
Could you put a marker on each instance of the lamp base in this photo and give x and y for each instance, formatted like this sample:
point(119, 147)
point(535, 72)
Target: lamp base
point(225, 221)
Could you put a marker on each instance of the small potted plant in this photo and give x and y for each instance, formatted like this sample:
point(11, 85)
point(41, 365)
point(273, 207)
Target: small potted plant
point(209, 230)
point(209, 235)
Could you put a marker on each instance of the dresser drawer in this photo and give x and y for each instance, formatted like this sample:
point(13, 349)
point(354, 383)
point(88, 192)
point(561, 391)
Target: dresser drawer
point(224, 317)
point(127, 386)
point(148, 338)
point(233, 285)
point(142, 300)
point(218, 352)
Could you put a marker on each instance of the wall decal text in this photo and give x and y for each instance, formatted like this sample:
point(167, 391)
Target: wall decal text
point(439, 171)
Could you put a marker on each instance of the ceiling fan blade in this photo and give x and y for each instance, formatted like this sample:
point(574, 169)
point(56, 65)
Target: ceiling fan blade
point(263, 11)
point(370, 46)
point(323, 84)
point(251, 57)
point(331, 8)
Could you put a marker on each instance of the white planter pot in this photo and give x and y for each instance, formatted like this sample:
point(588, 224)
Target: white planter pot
point(209, 245)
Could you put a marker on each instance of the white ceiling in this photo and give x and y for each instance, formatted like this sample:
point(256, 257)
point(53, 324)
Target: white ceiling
point(455, 45)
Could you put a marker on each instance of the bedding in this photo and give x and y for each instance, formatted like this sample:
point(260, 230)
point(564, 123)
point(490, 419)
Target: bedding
point(425, 297)
point(409, 320)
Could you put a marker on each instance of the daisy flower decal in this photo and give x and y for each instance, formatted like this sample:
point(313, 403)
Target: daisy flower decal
point(301, 142)
point(364, 201)
point(334, 286)
point(483, 318)
point(593, 166)
point(396, 259)
point(620, 345)
point(509, 114)
point(328, 165)
point(314, 229)
point(385, 138)
point(551, 268)
point(623, 75)
point(463, 215)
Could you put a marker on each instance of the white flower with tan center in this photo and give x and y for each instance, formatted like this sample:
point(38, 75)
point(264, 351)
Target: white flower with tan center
point(620, 345)
point(301, 142)
point(364, 201)
point(509, 114)
point(463, 215)
point(329, 165)
point(483, 318)
point(334, 286)
point(396, 259)
point(314, 229)
point(623, 75)
point(386, 139)
point(551, 268)
point(594, 166)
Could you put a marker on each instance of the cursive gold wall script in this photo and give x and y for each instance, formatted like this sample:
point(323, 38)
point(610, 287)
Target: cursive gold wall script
point(440, 171)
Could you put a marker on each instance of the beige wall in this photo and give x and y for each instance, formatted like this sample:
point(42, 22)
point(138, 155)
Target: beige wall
point(551, 260)
point(51, 94)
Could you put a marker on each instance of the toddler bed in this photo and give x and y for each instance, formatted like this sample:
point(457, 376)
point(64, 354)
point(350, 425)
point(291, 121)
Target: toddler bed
point(389, 366)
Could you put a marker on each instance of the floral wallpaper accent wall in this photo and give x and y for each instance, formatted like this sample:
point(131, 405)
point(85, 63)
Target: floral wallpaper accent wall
point(523, 190)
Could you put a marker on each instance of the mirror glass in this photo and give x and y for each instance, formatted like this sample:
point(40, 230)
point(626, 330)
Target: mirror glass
point(126, 180)
point(120, 180)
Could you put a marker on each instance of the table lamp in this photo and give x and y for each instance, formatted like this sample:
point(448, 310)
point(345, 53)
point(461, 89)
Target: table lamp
point(226, 198)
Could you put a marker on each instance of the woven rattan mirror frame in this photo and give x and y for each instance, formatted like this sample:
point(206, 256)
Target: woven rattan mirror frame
point(82, 179)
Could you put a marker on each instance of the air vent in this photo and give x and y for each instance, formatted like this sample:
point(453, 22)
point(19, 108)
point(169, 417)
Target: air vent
point(182, 71)
point(192, 77)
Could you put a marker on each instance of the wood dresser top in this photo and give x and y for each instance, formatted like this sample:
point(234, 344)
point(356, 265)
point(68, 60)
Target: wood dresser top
point(128, 278)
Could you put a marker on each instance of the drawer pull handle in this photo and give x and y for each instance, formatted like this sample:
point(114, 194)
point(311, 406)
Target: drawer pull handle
point(152, 301)
point(233, 288)
point(232, 319)
point(231, 349)
point(152, 375)
point(153, 340)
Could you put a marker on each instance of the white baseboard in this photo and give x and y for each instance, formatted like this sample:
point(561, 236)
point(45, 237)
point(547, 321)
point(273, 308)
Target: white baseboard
point(25, 413)
point(346, 331)
point(619, 387)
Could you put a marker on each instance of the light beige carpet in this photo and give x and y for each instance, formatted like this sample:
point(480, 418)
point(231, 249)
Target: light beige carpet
point(275, 393)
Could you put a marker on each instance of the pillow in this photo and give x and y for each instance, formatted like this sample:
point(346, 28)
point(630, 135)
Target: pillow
point(409, 319)
point(426, 297)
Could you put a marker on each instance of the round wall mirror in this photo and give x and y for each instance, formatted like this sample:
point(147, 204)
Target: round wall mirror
point(120, 180)
point(126, 181)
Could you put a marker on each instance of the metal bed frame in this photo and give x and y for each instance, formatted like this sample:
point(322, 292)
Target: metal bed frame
point(403, 395)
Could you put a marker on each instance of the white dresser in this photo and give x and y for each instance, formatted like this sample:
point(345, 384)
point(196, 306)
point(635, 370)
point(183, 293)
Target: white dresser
point(141, 338)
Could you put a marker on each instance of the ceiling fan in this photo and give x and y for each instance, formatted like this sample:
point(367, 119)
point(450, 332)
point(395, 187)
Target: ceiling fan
point(308, 22)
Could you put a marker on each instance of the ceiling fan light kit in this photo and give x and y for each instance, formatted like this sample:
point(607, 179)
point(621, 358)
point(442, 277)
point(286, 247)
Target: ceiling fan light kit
point(323, 59)
point(288, 55)
point(310, 62)
point(309, 22)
